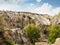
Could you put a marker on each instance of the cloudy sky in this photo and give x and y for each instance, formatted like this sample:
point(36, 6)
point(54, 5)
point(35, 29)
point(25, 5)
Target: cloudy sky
point(51, 7)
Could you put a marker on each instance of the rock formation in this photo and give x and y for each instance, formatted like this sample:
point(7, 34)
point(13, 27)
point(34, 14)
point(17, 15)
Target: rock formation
point(17, 36)
point(14, 22)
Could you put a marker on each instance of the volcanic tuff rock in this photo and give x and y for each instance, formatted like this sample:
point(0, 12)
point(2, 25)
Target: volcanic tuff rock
point(17, 36)
point(14, 22)
point(21, 19)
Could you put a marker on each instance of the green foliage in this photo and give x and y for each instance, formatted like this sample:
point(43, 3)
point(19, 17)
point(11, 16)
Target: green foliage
point(8, 42)
point(54, 32)
point(1, 26)
point(1, 22)
point(1, 19)
point(1, 29)
point(58, 15)
point(33, 32)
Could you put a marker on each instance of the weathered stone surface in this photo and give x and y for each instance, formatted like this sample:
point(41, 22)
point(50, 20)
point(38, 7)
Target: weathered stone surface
point(14, 22)
point(57, 41)
point(21, 19)
point(41, 43)
point(17, 36)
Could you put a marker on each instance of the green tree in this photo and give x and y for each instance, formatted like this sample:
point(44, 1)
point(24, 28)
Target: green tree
point(33, 32)
point(54, 32)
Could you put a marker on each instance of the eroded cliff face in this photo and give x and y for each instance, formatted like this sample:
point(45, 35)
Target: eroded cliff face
point(18, 36)
point(14, 22)
point(21, 19)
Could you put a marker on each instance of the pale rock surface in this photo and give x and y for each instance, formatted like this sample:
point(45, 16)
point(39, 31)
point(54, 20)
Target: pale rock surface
point(57, 41)
point(41, 43)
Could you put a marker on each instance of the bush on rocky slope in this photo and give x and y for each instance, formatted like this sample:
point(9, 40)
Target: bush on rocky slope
point(33, 32)
point(8, 42)
point(54, 32)
point(58, 15)
point(1, 27)
point(2, 39)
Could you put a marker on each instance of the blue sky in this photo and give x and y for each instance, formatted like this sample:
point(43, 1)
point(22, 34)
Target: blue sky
point(51, 7)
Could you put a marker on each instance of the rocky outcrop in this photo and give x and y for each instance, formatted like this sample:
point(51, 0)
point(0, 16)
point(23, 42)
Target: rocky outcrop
point(55, 20)
point(14, 22)
point(42, 43)
point(17, 36)
point(57, 42)
point(21, 19)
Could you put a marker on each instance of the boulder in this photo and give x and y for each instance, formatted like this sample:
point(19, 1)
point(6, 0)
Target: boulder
point(42, 43)
point(57, 41)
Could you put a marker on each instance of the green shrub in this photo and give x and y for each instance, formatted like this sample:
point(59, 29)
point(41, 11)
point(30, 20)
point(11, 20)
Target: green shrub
point(54, 32)
point(1, 31)
point(58, 15)
point(33, 32)
point(1, 19)
point(8, 42)
point(1, 28)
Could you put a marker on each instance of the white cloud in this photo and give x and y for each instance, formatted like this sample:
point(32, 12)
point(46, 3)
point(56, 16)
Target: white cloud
point(15, 1)
point(44, 9)
point(56, 10)
point(31, 5)
point(9, 7)
point(47, 9)
point(28, 8)
point(38, 0)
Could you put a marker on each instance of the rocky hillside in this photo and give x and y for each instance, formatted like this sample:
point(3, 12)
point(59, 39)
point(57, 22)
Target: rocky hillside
point(21, 19)
point(14, 22)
